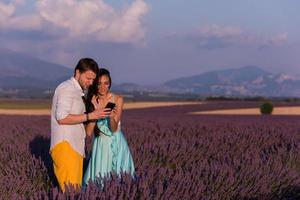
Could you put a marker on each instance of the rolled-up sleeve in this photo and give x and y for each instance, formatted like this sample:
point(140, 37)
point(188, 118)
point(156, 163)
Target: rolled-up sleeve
point(64, 103)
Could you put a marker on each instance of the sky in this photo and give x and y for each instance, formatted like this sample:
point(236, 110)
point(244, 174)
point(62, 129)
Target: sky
point(151, 42)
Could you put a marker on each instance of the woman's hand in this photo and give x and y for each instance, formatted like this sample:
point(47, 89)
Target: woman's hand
point(113, 112)
point(95, 102)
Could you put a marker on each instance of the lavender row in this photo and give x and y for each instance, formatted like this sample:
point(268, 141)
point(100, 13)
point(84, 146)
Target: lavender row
point(177, 156)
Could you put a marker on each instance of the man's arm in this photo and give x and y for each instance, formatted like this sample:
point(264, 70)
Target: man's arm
point(73, 119)
point(76, 119)
point(65, 100)
point(63, 107)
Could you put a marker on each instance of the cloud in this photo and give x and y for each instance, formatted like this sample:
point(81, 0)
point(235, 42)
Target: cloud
point(216, 37)
point(6, 11)
point(218, 31)
point(277, 40)
point(83, 20)
point(25, 23)
point(127, 25)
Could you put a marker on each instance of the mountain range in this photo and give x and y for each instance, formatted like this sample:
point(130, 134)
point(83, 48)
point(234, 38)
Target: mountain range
point(244, 81)
point(21, 74)
point(18, 70)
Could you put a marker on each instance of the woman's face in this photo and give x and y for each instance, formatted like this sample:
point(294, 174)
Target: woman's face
point(103, 85)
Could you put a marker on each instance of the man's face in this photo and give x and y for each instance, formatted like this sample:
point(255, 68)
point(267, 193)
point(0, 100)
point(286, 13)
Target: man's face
point(85, 79)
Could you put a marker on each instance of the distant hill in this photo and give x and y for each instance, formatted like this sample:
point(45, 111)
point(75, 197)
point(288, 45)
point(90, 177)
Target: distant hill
point(245, 81)
point(22, 75)
point(19, 70)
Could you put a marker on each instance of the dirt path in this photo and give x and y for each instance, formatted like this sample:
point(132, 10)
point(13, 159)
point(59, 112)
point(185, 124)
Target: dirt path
point(127, 106)
point(294, 110)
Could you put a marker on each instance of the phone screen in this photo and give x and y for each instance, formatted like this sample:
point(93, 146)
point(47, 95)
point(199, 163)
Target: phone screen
point(110, 105)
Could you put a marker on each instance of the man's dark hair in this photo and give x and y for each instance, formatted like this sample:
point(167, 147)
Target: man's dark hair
point(85, 64)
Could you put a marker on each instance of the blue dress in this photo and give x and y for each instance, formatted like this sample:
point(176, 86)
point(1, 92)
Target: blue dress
point(110, 154)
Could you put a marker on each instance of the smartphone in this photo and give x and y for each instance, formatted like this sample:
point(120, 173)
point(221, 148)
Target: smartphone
point(110, 105)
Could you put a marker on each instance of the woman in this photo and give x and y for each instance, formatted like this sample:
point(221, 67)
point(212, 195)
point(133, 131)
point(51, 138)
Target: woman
point(110, 152)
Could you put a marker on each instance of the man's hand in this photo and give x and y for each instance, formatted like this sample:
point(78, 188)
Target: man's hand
point(99, 113)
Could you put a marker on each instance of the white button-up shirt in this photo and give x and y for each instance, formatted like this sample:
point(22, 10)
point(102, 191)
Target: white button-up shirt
point(67, 100)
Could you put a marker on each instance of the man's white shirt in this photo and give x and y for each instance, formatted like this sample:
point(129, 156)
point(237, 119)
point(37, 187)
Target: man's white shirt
point(67, 100)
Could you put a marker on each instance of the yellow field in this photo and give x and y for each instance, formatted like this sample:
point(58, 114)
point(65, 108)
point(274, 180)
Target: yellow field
point(127, 106)
point(294, 110)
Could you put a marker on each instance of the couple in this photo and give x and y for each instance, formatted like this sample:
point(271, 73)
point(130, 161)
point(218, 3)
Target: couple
point(71, 121)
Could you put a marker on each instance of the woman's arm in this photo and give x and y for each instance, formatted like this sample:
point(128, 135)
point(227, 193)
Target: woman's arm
point(116, 114)
point(92, 117)
point(89, 128)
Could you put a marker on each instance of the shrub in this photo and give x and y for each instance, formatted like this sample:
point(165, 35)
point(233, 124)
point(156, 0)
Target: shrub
point(266, 108)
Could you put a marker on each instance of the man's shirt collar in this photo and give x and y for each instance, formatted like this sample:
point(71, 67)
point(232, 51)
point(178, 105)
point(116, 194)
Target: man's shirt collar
point(76, 84)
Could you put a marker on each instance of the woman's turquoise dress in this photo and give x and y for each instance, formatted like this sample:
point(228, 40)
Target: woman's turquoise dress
point(110, 154)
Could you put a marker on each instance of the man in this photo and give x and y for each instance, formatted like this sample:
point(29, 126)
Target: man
point(67, 128)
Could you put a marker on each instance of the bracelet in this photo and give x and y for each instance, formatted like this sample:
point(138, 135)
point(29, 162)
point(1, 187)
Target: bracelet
point(87, 117)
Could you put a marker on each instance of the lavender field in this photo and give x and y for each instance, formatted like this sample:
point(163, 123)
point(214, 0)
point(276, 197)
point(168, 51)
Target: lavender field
point(177, 156)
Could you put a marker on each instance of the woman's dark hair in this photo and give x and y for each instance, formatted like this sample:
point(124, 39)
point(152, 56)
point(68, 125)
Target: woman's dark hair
point(85, 64)
point(93, 90)
point(105, 72)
